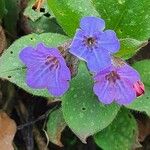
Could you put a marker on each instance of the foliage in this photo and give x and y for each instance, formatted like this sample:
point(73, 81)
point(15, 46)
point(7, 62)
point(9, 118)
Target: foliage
point(81, 110)
point(120, 134)
point(79, 105)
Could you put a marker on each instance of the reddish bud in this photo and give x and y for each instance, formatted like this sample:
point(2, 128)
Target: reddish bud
point(139, 88)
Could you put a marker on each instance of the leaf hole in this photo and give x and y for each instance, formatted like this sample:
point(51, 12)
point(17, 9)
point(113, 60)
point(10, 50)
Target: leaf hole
point(147, 97)
point(34, 7)
point(83, 108)
point(31, 38)
point(47, 14)
point(42, 10)
point(9, 77)
point(11, 52)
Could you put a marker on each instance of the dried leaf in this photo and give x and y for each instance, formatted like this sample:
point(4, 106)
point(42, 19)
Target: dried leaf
point(2, 40)
point(72, 61)
point(55, 126)
point(7, 131)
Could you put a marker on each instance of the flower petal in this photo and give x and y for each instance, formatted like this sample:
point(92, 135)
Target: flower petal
point(104, 91)
point(33, 56)
point(92, 24)
point(46, 51)
point(59, 89)
point(101, 74)
point(39, 76)
point(125, 93)
point(64, 73)
point(98, 59)
point(128, 73)
point(77, 47)
point(109, 41)
point(30, 57)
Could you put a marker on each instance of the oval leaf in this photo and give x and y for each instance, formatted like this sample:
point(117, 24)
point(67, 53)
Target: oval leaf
point(129, 47)
point(55, 126)
point(83, 113)
point(142, 103)
point(69, 12)
point(120, 134)
point(143, 68)
point(130, 19)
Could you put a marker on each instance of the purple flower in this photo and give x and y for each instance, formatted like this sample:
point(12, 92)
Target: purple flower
point(94, 45)
point(119, 83)
point(46, 68)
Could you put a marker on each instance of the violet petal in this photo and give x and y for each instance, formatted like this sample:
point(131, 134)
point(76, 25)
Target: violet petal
point(92, 24)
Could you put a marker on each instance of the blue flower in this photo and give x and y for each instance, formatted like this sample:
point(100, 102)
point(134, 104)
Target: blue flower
point(94, 45)
point(46, 68)
point(119, 82)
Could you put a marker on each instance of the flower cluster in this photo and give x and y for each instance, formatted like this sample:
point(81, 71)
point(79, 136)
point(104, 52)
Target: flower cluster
point(114, 79)
point(119, 82)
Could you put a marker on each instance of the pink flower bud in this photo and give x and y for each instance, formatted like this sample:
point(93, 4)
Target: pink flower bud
point(139, 88)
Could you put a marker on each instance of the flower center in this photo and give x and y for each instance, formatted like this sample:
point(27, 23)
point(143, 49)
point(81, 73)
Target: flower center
point(52, 62)
point(90, 41)
point(112, 77)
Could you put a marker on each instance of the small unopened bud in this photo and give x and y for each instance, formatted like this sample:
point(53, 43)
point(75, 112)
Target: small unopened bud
point(139, 88)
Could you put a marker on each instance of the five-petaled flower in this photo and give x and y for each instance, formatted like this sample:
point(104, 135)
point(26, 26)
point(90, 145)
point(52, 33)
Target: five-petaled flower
point(119, 83)
point(94, 45)
point(46, 68)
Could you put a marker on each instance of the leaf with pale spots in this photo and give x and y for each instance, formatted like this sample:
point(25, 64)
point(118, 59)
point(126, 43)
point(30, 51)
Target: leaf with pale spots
point(129, 47)
point(69, 12)
point(11, 66)
point(143, 68)
point(129, 19)
point(32, 14)
point(142, 103)
point(55, 126)
point(82, 111)
point(120, 134)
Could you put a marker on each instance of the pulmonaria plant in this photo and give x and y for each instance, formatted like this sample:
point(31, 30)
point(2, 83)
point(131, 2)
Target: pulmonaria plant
point(114, 79)
point(119, 82)
point(94, 45)
point(46, 68)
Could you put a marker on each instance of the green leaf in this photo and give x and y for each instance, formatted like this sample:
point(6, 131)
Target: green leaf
point(82, 111)
point(45, 24)
point(142, 103)
point(120, 134)
point(34, 15)
point(2, 9)
point(11, 18)
point(55, 126)
point(69, 12)
point(11, 66)
point(37, 21)
point(129, 47)
point(129, 18)
point(143, 68)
